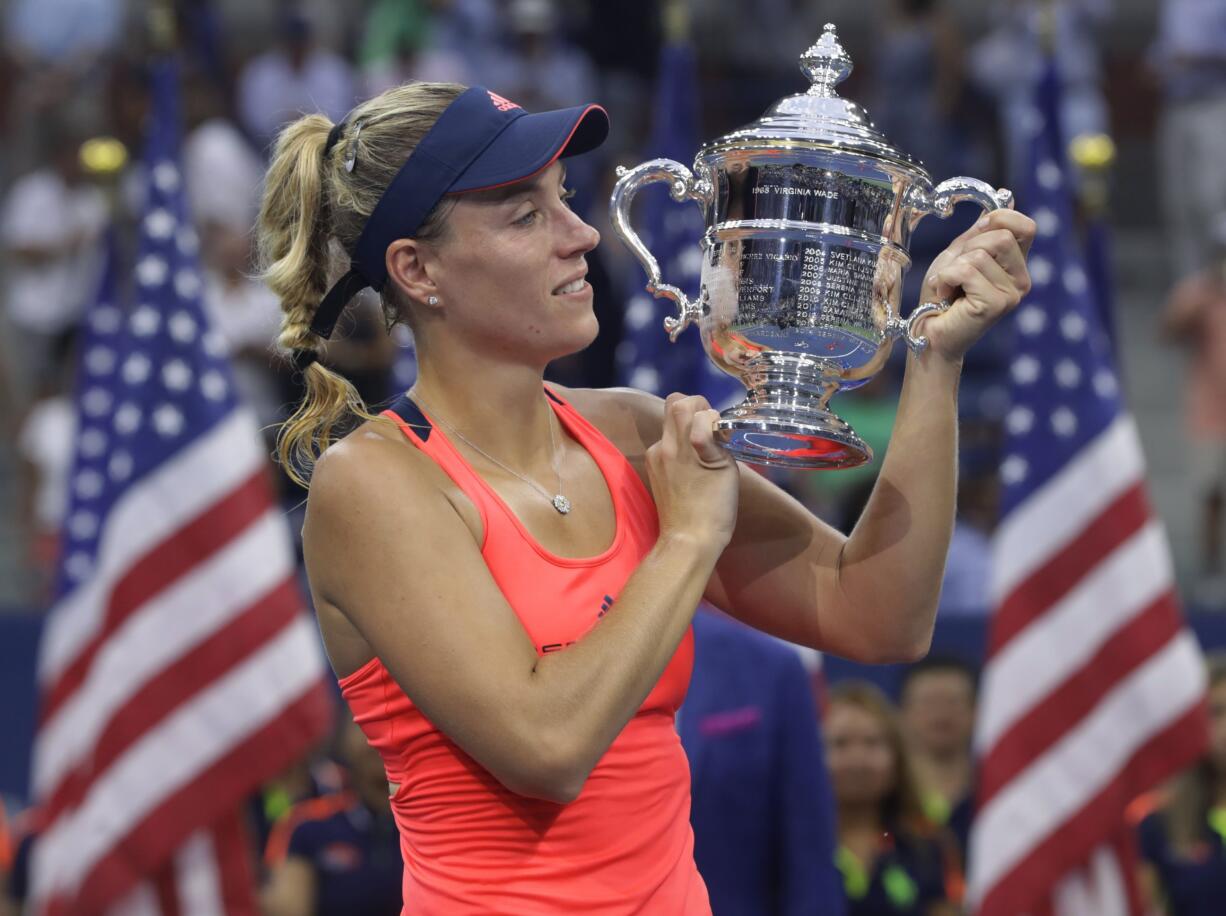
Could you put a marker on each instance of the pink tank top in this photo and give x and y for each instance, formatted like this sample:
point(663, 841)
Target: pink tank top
point(470, 845)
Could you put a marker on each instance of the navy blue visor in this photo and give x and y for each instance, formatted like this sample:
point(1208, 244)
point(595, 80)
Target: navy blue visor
point(480, 141)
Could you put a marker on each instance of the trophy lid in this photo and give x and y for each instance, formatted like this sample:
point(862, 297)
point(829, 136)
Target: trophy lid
point(820, 117)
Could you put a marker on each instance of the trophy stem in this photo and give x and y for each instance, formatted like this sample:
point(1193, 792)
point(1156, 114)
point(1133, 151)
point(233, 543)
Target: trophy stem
point(784, 420)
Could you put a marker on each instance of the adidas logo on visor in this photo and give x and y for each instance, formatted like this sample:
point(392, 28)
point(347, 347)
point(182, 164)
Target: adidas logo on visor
point(500, 103)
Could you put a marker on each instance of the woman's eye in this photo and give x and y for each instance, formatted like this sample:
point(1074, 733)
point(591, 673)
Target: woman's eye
point(527, 219)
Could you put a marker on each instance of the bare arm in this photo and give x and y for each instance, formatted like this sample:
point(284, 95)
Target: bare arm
point(872, 596)
point(389, 550)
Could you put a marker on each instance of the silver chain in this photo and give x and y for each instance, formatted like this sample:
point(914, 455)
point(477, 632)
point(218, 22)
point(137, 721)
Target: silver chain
point(558, 501)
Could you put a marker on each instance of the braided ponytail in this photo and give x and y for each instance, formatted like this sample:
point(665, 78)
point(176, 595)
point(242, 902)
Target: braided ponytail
point(314, 208)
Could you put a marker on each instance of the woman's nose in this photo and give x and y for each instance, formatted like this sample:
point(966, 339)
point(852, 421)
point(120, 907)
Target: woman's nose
point(580, 236)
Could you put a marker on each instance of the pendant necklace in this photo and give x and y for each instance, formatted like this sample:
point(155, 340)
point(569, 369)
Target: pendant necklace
point(558, 500)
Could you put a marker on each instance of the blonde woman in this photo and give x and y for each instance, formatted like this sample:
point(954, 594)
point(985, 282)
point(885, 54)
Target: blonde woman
point(894, 860)
point(505, 572)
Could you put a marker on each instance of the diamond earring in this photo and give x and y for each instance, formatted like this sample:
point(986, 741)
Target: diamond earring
point(432, 300)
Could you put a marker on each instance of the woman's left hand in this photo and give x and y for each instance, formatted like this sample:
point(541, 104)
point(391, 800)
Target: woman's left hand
point(983, 272)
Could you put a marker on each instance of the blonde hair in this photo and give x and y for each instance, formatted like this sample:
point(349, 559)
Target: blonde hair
point(902, 808)
point(313, 211)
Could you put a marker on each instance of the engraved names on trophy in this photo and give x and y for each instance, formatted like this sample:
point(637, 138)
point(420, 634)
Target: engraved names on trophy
point(834, 283)
point(848, 286)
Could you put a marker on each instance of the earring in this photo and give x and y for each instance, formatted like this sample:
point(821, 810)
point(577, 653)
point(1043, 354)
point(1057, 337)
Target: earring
point(432, 300)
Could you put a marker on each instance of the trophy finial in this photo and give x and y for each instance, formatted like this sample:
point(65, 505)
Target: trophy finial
point(826, 64)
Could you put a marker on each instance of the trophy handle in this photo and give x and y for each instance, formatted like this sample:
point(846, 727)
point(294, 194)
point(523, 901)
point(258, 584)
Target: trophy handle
point(956, 190)
point(683, 187)
point(905, 327)
point(941, 201)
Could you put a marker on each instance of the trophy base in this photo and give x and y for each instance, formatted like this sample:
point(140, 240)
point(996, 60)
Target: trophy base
point(784, 421)
point(815, 440)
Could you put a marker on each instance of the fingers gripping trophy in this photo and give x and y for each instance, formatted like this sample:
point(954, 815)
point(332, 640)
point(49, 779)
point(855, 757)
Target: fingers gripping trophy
point(809, 214)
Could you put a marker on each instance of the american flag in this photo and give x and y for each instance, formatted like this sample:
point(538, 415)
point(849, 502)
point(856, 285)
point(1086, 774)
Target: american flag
point(1093, 688)
point(646, 358)
point(177, 668)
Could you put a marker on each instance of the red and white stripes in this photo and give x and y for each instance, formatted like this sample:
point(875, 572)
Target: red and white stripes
point(1093, 690)
point(177, 677)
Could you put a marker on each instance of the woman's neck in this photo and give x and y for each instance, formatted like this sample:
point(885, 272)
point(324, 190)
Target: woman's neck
point(859, 819)
point(501, 409)
point(860, 831)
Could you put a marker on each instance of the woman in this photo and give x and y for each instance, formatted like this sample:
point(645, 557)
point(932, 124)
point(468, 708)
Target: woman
point(895, 862)
point(466, 549)
point(1183, 842)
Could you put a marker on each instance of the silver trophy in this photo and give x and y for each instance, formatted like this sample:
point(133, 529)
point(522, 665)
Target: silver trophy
point(809, 214)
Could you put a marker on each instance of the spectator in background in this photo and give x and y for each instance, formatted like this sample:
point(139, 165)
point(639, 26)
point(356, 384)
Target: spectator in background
point(51, 222)
point(67, 33)
point(398, 46)
point(223, 175)
point(59, 51)
point(894, 861)
point(472, 30)
point(315, 776)
point(761, 807)
point(1008, 64)
point(45, 444)
point(247, 315)
point(1195, 315)
point(540, 68)
point(623, 42)
point(1183, 831)
point(937, 711)
point(297, 77)
point(338, 854)
point(1189, 58)
point(917, 77)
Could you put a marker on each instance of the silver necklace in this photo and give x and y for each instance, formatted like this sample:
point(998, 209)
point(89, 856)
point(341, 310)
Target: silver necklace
point(558, 501)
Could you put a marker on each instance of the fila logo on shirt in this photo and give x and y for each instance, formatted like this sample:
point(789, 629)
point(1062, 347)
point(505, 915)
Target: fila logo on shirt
point(500, 103)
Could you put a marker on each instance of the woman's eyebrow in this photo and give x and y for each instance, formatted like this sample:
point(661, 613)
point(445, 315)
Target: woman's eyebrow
point(512, 191)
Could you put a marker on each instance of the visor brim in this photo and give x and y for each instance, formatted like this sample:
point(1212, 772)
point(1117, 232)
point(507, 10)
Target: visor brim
point(532, 143)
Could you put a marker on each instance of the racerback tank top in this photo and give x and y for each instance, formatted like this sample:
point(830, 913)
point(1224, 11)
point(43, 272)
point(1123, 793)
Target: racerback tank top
point(469, 844)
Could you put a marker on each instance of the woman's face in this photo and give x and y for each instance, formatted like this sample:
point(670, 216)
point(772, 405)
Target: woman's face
point(510, 270)
point(858, 755)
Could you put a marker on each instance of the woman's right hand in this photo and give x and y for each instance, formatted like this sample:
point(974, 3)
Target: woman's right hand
point(694, 480)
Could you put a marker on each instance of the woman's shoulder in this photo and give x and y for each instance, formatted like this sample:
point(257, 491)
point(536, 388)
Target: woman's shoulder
point(600, 400)
point(630, 418)
point(376, 467)
point(373, 451)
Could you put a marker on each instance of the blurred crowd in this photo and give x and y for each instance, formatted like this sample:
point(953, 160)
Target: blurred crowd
point(957, 99)
point(806, 799)
point(900, 770)
point(78, 72)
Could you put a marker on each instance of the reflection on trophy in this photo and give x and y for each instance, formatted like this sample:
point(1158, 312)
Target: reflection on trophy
point(809, 215)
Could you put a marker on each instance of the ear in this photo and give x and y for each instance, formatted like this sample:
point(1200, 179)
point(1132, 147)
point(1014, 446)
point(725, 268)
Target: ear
point(411, 265)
